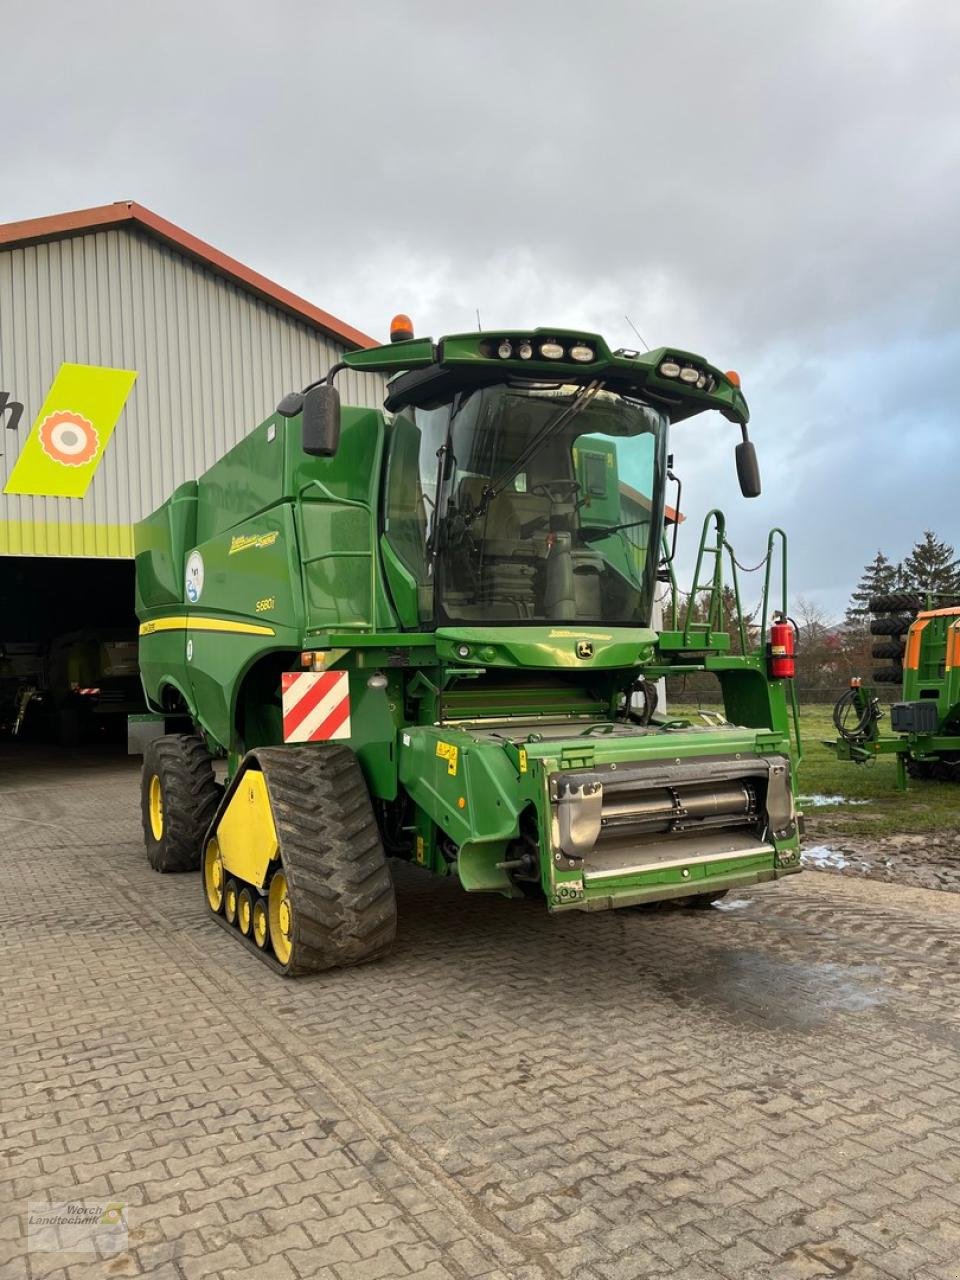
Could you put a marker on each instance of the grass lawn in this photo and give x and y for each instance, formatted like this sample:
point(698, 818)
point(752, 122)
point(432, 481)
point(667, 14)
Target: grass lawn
point(925, 806)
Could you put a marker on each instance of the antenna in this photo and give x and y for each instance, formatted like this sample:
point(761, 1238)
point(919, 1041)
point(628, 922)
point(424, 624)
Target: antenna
point(479, 325)
point(636, 331)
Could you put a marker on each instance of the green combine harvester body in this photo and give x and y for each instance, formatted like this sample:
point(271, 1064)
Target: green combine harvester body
point(923, 651)
point(427, 632)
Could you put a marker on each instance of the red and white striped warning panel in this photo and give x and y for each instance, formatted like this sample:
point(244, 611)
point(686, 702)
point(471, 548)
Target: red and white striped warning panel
point(316, 706)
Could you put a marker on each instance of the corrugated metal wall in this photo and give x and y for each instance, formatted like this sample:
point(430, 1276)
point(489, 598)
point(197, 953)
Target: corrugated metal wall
point(212, 361)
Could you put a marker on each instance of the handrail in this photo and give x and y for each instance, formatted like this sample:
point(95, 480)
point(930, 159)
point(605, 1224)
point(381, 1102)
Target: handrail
point(716, 584)
point(674, 592)
point(766, 577)
point(331, 496)
point(776, 538)
point(741, 624)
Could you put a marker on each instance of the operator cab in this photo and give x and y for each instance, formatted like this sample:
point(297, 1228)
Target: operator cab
point(528, 501)
point(525, 473)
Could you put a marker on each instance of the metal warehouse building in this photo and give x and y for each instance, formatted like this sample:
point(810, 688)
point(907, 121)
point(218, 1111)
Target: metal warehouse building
point(132, 356)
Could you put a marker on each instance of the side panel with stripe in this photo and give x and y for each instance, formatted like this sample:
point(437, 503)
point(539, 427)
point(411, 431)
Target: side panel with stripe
point(251, 578)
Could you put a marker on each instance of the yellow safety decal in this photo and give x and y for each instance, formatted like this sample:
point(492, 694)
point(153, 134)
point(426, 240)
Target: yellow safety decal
point(189, 623)
point(523, 759)
point(72, 430)
point(420, 850)
point(245, 541)
point(447, 751)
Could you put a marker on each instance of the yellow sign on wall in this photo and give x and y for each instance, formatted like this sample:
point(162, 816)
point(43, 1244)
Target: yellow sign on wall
point(71, 432)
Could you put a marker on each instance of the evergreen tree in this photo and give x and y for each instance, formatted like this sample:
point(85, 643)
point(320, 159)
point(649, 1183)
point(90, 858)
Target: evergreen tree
point(932, 566)
point(879, 578)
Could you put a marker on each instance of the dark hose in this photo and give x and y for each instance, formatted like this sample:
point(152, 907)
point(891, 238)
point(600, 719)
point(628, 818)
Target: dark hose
point(857, 733)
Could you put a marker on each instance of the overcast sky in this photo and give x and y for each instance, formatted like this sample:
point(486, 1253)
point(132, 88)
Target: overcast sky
point(772, 183)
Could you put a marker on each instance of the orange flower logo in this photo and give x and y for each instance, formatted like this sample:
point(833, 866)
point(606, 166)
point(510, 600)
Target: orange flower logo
point(68, 438)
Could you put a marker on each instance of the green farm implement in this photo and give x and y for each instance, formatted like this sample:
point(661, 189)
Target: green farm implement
point(921, 643)
point(430, 632)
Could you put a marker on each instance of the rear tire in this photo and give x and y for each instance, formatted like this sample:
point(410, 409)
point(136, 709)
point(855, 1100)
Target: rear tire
point(921, 770)
point(890, 626)
point(890, 649)
point(897, 602)
point(888, 675)
point(178, 798)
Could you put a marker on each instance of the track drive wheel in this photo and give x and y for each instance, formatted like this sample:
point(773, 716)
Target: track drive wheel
point(213, 876)
point(330, 900)
point(178, 798)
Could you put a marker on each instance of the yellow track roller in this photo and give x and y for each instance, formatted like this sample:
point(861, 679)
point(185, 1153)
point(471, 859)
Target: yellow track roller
point(230, 895)
point(245, 911)
point(261, 932)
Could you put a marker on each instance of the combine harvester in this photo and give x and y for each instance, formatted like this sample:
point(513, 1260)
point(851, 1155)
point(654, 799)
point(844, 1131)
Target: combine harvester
point(425, 632)
point(923, 650)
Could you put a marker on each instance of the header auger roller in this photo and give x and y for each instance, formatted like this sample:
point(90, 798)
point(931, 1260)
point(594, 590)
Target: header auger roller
point(423, 630)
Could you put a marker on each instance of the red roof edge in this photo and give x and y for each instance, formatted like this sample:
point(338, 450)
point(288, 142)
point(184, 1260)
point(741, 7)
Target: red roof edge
point(37, 230)
point(671, 515)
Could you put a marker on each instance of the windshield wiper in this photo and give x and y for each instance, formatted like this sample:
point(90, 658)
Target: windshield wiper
point(549, 429)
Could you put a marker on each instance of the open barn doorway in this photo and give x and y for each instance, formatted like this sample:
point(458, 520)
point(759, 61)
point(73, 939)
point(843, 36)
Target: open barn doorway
point(68, 651)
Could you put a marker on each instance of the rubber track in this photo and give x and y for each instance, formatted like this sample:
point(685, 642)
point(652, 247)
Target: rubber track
point(191, 794)
point(344, 906)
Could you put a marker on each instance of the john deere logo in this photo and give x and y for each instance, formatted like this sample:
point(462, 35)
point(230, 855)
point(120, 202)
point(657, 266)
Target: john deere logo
point(584, 649)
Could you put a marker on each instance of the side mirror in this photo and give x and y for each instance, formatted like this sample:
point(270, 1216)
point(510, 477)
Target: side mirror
point(748, 469)
point(321, 421)
point(291, 404)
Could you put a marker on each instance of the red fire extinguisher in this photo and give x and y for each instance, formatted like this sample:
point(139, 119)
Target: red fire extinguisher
point(781, 651)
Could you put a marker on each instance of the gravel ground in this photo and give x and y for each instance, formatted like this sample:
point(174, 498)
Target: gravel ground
point(927, 861)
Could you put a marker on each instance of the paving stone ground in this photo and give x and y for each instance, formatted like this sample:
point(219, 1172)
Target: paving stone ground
point(766, 1092)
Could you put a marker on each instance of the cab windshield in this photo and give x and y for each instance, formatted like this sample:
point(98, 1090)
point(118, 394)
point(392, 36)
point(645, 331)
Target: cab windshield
point(530, 504)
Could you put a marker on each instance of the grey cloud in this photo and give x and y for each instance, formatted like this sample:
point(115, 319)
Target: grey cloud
point(775, 185)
